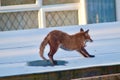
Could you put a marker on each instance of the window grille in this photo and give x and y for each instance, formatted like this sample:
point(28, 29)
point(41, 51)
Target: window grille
point(61, 18)
point(18, 20)
point(16, 2)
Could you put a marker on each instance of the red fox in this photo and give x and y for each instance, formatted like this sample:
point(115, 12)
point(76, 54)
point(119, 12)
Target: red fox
point(57, 39)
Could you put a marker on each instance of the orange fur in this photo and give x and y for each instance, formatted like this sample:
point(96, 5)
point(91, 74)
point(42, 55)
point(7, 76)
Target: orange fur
point(57, 39)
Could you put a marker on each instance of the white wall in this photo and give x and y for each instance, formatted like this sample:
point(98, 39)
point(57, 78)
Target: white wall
point(118, 10)
point(82, 13)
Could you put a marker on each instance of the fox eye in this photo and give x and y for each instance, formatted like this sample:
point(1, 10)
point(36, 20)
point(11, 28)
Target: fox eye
point(86, 34)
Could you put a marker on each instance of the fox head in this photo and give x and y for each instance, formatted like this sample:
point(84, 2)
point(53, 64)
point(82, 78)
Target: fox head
point(86, 35)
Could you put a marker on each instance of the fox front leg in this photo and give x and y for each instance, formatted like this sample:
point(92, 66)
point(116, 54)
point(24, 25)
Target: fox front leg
point(82, 52)
point(86, 53)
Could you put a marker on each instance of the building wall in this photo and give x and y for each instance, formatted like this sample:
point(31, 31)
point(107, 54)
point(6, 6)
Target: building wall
point(78, 16)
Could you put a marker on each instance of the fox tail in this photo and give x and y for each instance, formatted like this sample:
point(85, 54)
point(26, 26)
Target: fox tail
point(42, 46)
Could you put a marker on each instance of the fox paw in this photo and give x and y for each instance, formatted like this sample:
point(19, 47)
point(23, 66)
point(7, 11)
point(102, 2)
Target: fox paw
point(91, 56)
point(55, 62)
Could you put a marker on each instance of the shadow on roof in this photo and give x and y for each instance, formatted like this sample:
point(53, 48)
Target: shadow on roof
point(46, 63)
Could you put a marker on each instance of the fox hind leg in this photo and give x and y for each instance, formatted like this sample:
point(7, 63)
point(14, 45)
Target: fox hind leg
point(53, 49)
point(51, 58)
point(50, 55)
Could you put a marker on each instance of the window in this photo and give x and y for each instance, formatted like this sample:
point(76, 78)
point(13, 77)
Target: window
point(100, 11)
point(16, 2)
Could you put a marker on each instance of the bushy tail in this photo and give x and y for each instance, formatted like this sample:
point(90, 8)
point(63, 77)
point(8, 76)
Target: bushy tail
point(42, 46)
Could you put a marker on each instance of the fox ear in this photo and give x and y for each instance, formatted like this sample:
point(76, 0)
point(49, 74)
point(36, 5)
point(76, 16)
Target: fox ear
point(87, 31)
point(81, 29)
